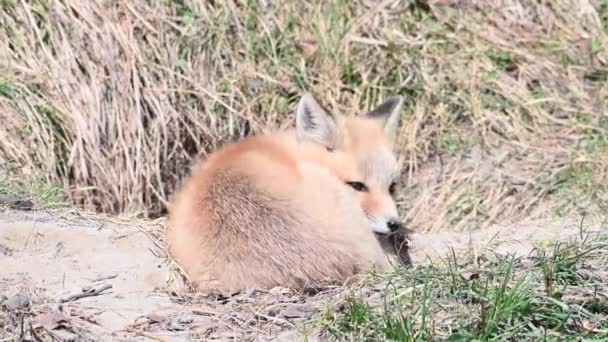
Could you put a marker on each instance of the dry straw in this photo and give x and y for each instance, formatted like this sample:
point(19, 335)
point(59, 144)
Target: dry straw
point(506, 113)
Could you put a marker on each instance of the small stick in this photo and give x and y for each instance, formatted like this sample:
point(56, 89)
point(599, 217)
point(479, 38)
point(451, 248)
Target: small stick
point(273, 319)
point(107, 277)
point(86, 293)
point(146, 334)
point(204, 312)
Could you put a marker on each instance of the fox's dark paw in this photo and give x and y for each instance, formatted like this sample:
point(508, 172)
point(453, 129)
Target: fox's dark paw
point(398, 243)
point(401, 244)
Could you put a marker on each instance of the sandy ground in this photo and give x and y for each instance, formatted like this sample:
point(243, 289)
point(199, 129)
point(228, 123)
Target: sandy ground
point(52, 261)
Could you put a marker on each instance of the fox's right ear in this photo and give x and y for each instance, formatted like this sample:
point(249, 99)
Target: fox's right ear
point(315, 124)
point(388, 113)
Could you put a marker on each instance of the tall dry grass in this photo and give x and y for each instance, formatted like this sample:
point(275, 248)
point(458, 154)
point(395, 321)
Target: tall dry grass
point(506, 114)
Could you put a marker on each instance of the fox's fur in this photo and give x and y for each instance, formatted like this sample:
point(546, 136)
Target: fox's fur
point(282, 209)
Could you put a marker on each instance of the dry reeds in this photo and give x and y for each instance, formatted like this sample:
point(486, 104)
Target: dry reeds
point(506, 113)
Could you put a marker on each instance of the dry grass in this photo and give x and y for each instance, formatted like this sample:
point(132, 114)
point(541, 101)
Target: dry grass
point(506, 115)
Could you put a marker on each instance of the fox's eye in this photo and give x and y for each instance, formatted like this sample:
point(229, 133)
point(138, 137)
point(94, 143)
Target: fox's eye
point(392, 188)
point(357, 186)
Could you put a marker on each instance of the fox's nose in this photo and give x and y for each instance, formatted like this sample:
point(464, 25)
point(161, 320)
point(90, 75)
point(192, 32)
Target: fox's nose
point(393, 225)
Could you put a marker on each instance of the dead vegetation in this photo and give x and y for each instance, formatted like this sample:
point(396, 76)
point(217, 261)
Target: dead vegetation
point(506, 100)
point(278, 314)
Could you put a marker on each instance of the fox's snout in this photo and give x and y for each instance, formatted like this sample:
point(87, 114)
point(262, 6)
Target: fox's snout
point(393, 225)
point(381, 212)
point(382, 215)
point(384, 226)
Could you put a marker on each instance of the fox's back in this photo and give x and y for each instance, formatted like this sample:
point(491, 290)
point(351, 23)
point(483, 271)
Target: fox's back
point(254, 215)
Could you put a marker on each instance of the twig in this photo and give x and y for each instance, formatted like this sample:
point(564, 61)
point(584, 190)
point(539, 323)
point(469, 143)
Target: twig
point(86, 293)
point(274, 319)
point(204, 312)
point(107, 277)
point(146, 334)
point(56, 335)
point(22, 330)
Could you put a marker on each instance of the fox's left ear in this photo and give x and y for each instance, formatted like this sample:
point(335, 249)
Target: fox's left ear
point(389, 113)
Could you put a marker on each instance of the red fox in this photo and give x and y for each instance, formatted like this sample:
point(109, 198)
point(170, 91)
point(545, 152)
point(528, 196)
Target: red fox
point(293, 208)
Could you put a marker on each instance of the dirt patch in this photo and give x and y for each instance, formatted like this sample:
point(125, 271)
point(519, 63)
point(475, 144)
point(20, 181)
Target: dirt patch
point(518, 239)
point(58, 257)
point(74, 276)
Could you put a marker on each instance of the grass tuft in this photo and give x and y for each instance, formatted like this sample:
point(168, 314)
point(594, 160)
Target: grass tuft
point(556, 293)
point(31, 188)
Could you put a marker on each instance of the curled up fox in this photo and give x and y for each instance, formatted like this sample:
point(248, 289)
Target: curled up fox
point(293, 208)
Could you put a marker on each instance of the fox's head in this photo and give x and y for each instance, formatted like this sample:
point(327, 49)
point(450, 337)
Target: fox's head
point(358, 150)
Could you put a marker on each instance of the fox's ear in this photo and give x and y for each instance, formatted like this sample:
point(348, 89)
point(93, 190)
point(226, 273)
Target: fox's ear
point(314, 123)
point(389, 113)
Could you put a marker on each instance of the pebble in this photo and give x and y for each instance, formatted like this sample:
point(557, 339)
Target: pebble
point(16, 302)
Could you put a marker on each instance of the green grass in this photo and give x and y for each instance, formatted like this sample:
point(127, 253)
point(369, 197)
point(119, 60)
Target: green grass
point(556, 293)
point(40, 191)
